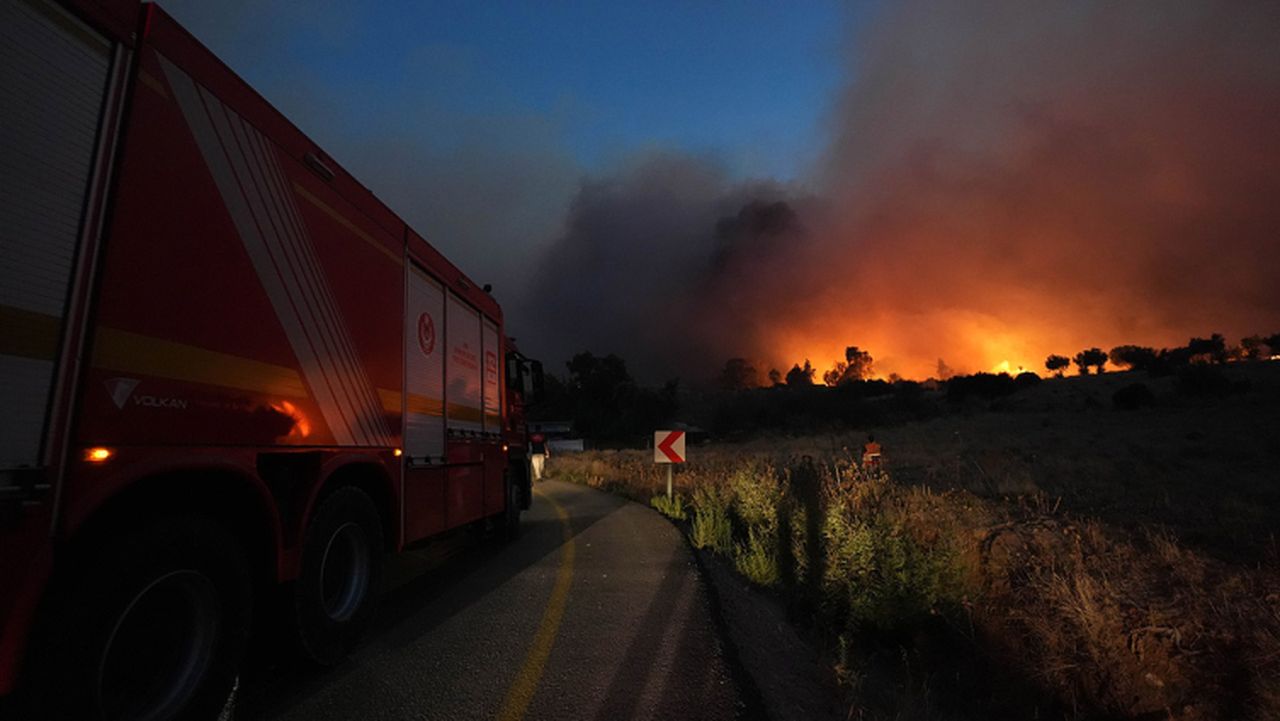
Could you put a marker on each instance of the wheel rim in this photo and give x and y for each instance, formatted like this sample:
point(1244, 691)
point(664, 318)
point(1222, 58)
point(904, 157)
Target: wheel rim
point(344, 572)
point(160, 648)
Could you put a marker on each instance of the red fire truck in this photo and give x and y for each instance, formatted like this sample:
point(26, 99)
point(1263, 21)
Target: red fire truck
point(231, 378)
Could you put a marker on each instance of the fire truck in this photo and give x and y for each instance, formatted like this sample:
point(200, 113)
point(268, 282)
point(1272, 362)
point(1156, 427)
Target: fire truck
point(231, 379)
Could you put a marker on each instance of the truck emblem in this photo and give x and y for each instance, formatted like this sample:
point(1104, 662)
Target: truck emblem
point(120, 390)
point(426, 334)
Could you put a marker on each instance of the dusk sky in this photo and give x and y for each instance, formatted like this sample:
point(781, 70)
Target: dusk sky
point(748, 82)
point(684, 182)
point(479, 122)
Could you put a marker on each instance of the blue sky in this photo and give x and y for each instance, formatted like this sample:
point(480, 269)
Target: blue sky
point(746, 82)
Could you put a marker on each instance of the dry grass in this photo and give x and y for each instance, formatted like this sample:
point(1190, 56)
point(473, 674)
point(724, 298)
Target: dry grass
point(1033, 563)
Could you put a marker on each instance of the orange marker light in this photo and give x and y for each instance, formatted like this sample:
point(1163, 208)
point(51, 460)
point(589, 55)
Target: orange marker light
point(398, 452)
point(98, 455)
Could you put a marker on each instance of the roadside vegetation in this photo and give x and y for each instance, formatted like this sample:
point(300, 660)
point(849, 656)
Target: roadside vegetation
point(1074, 549)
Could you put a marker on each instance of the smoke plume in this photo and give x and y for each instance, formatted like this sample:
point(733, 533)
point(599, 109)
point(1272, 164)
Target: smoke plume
point(1004, 180)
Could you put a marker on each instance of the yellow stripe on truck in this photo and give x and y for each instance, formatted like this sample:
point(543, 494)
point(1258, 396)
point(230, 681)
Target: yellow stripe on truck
point(421, 405)
point(465, 413)
point(126, 352)
point(425, 406)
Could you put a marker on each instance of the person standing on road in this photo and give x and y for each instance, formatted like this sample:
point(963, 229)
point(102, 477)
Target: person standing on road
point(538, 454)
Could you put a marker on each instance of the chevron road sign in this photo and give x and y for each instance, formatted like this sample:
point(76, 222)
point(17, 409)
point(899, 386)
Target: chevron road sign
point(668, 447)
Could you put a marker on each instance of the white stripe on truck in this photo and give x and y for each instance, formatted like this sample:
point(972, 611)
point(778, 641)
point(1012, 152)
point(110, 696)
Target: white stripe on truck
point(249, 179)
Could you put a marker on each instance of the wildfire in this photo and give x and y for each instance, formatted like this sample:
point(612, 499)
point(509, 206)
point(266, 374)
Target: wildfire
point(924, 347)
point(1010, 368)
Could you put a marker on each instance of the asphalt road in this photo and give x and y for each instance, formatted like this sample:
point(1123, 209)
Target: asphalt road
point(596, 612)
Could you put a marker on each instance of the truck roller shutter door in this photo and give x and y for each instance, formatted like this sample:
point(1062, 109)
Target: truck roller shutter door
point(464, 412)
point(53, 78)
point(424, 369)
point(492, 379)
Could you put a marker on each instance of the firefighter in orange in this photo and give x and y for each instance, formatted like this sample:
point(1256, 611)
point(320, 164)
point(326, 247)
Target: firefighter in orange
point(871, 453)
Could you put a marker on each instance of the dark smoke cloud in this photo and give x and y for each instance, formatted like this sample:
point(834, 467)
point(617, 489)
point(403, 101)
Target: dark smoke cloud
point(654, 261)
point(1004, 180)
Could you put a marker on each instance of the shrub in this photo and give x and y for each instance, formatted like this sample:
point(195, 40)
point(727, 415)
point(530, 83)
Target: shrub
point(756, 493)
point(757, 558)
point(1133, 397)
point(670, 507)
point(711, 526)
point(1026, 379)
point(891, 578)
point(850, 555)
point(712, 529)
point(883, 572)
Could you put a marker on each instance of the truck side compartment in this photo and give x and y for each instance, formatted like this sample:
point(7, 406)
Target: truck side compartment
point(225, 325)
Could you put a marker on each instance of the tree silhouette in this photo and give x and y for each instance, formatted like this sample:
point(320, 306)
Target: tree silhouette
point(1139, 358)
point(738, 375)
point(605, 402)
point(1254, 347)
point(859, 363)
point(798, 376)
point(1211, 349)
point(1092, 357)
point(598, 376)
point(1056, 363)
point(856, 366)
point(832, 377)
point(775, 377)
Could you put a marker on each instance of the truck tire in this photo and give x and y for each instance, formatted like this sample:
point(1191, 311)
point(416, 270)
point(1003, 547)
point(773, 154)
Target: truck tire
point(155, 627)
point(337, 588)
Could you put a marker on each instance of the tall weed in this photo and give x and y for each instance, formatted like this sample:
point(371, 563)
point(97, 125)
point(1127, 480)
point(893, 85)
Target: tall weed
point(757, 558)
point(672, 507)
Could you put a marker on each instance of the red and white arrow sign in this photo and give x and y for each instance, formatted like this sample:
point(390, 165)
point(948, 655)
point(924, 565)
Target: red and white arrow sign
point(668, 447)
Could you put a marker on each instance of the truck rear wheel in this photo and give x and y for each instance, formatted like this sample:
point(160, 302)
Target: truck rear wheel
point(154, 628)
point(337, 589)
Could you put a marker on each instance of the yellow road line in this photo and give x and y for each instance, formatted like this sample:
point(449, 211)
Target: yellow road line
point(521, 692)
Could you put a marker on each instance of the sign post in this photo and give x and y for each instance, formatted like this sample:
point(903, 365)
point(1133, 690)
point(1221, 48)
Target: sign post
point(668, 448)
